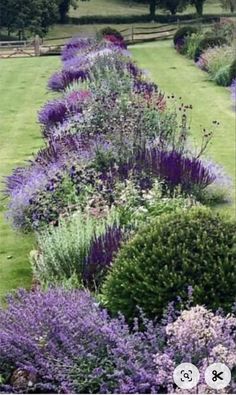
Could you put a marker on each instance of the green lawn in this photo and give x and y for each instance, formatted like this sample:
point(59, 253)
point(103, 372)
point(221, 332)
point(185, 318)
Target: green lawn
point(176, 74)
point(23, 91)
point(125, 7)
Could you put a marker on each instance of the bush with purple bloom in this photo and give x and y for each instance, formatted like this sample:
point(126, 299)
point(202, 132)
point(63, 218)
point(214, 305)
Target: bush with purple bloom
point(233, 92)
point(62, 342)
point(62, 79)
point(53, 113)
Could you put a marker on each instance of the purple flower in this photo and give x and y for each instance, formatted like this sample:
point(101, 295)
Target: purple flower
point(101, 254)
point(74, 46)
point(52, 113)
point(233, 91)
point(73, 346)
point(62, 79)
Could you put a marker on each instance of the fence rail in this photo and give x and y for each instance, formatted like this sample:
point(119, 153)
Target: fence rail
point(53, 46)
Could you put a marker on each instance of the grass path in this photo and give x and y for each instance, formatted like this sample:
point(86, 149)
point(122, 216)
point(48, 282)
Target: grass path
point(23, 91)
point(176, 74)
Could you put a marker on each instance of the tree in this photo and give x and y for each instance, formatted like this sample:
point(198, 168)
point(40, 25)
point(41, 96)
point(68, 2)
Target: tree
point(22, 16)
point(152, 8)
point(229, 5)
point(64, 7)
point(198, 5)
point(173, 5)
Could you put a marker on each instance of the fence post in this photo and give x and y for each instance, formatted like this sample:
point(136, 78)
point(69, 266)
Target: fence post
point(132, 34)
point(37, 45)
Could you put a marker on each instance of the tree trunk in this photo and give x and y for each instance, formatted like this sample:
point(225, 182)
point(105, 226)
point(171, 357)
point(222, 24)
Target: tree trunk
point(152, 9)
point(199, 7)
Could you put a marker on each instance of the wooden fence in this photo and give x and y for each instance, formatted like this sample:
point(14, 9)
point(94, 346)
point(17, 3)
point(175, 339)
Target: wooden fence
point(132, 35)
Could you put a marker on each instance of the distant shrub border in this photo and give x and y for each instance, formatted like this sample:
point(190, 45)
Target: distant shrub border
point(120, 19)
point(208, 42)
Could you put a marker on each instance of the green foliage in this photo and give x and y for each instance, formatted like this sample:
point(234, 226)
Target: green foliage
point(198, 5)
point(33, 16)
point(191, 43)
point(127, 19)
point(217, 58)
point(228, 5)
point(232, 71)
point(173, 6)
point(194, 248)
point(110, 31)
point(183, 32)
point(208, 42)
point(63, 249)
point(222, 76)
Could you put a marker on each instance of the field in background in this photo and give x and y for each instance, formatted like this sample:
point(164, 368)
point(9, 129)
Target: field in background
point(124, 7)
point(23, 91)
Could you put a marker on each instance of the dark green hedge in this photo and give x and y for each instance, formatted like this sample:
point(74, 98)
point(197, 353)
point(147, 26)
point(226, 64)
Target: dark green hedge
point(118, 19)
point(183, 32)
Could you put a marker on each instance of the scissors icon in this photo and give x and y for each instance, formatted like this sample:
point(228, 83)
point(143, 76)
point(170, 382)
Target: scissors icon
point(217, 375)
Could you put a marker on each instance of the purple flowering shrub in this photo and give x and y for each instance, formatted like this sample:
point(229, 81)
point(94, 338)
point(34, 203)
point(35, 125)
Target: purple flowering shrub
point(60, 111)
point(62, 79)
point(82, 246)
point(63, 187)
point(62, 342)
point(200, 337)
point(75, 47)
point(233, 92)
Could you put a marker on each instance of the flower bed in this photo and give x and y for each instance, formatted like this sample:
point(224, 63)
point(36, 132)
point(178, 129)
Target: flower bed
point(117, 156)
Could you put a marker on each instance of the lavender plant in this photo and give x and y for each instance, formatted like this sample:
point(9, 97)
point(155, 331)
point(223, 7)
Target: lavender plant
point(62, 342)
point(80, 245)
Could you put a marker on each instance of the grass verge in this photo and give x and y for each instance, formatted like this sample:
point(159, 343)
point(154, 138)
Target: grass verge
point(23, 91)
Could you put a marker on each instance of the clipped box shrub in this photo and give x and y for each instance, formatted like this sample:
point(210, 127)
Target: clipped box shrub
point(183, 32)
point(208, 42)
point(110, 31)
point(194, 248)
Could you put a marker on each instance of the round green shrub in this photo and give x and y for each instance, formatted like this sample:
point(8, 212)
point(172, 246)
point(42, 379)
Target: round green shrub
point(208, 42)
point(193, 248)
point(107, 31)
point(232, 71)
point(184, 32)
point(222, 76)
